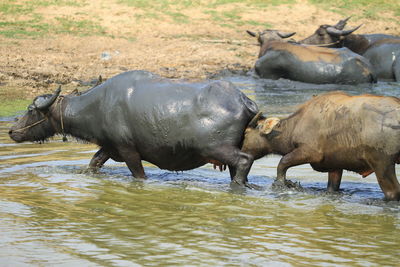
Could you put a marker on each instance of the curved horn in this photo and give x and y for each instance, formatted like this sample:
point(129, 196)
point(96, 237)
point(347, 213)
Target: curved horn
point(251, 33)
point(342, 23)
point(47, 102)
point(99, 81)
point(336, 32)
point(254, 120)
point(285, 34)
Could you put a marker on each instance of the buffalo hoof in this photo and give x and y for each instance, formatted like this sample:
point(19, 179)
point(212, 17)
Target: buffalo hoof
point(286, 184)
point(91, 170)
point(254, 186)
point(239, 185)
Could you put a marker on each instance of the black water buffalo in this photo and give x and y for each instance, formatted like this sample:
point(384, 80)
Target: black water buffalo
point(384, 56)
point(382, 50)
point(335, 37)
point(335, 132)
point(278, 59)
point(137, 116)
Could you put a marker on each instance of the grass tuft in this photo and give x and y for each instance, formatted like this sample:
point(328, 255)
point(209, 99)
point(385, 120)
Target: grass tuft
point(72, 26)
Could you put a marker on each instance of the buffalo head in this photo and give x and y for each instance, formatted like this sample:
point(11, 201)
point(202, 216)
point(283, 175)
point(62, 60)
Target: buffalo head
point(35, 124)
point(329, 35)
point(257, 138)
point(267, 36)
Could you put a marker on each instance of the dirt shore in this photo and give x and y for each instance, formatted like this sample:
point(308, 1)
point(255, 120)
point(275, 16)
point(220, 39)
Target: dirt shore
point(198, 49)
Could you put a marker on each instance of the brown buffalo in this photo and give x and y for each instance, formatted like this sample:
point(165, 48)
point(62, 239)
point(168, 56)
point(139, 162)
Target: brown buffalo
point(334, 132)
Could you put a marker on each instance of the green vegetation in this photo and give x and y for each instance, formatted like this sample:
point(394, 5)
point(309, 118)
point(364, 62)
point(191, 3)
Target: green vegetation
point(11, 107)
point(174, 8)
point(254, 3)
point(372, 9)
point(80, 27)
point(232, 18)
point(178, 17)
point(37, 28)
point(12, 98)
point(22, 18)
point(19, 19)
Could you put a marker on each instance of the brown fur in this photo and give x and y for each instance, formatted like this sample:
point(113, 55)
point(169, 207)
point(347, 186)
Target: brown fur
point(335, 131)
point(307, 53)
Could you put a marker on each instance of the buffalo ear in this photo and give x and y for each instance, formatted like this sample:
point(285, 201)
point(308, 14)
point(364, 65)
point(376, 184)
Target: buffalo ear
point(268, 125)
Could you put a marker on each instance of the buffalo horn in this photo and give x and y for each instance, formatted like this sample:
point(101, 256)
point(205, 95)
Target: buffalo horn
point(251, 33)
point(44, 105)
point(254, 120)
point(342, 23)
point(336, 32)
point(285, 34)
point(99, 81)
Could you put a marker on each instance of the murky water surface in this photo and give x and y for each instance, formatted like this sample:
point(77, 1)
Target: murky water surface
point(52, 212)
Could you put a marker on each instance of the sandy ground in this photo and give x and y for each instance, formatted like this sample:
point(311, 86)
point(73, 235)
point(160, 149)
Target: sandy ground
point(199, 49)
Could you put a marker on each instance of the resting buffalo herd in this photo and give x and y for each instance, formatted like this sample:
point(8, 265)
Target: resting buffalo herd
point(178, 126)
point(357, 58)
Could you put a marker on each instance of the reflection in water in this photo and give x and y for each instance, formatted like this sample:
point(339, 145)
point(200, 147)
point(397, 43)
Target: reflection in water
point(53, 212)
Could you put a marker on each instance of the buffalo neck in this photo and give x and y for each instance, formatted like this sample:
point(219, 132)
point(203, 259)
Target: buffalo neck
point(77, 116)
point(280, 139)
point(356, 43)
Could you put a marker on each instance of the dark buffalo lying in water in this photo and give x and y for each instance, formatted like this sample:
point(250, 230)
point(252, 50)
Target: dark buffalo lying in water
point(335, 132)
point(311, 64)
point(139, 116)
point(382, 50)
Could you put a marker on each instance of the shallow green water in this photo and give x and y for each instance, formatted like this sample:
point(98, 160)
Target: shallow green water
point(52, 212)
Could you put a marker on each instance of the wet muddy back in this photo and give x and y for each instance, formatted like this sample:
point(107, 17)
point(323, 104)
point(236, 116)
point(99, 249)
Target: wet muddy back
point(53, 212)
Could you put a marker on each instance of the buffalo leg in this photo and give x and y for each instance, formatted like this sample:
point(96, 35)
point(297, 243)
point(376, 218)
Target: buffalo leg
point(334, 179)
point(133, 161)
point(239, 163)
point(232, 171)
point(98, 160)
point(386, 175)
point(299, 156)
point(243, 165)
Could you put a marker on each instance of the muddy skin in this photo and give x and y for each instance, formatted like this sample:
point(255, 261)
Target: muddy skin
point(334, 132)
point(335, 37)
point(381, 50)
point(139, 116)
point(311, 64)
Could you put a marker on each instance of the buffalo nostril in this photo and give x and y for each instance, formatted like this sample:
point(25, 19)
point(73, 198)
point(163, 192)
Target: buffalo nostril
point(10, 132)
